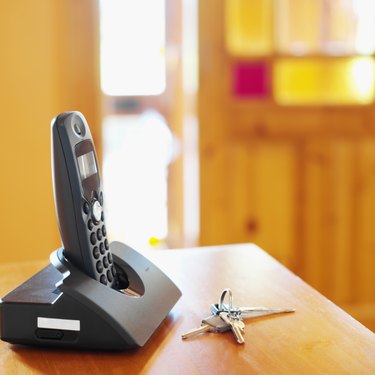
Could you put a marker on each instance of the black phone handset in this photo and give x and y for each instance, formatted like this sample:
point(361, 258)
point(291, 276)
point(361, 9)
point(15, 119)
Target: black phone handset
point(79, 198)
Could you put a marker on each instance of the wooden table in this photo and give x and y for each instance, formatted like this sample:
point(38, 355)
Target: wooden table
point(319, 338)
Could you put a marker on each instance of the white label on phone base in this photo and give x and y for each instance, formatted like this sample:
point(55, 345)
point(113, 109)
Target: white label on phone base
point(53, 323)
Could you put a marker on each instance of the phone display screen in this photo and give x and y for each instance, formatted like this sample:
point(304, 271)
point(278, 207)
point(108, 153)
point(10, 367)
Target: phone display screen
point(87, 165)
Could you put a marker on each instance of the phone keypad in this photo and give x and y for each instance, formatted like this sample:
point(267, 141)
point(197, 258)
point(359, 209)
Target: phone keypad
point(102, 257)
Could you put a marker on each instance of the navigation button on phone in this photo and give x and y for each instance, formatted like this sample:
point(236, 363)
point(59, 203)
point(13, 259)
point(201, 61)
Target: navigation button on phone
point(97, 211)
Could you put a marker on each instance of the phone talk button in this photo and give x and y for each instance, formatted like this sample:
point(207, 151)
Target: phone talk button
point(97, 211)
point(86, 208)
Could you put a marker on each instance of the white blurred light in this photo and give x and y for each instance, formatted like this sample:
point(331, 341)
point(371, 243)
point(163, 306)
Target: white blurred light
point(137, 152)
point(132, 48)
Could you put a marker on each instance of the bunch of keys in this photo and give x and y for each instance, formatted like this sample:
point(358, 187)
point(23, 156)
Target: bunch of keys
point(227, 317)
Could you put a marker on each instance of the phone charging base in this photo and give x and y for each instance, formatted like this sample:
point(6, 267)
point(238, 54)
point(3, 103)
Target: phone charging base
point(60, 306)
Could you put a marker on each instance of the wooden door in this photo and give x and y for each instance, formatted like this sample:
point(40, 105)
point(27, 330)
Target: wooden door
point(287, 139)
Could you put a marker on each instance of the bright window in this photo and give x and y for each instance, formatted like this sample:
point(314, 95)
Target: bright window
point(132, 49)
point(137, 152)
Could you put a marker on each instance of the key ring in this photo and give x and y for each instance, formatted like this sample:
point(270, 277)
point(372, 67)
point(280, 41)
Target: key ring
point(232, 309)
point(221, 301)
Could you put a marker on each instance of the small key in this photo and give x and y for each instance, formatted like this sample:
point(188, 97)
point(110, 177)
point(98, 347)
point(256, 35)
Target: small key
point(235, 326)
point(241, 324)
point(244, 312)
point(213, 323)
point(255, 312)
point(248, 312)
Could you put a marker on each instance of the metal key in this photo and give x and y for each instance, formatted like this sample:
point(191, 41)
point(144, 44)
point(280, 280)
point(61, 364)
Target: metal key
point(213, 323)
point(255, 312)
point(235, 326)
point(241, 324)
point(243, 312)
point(248, 312)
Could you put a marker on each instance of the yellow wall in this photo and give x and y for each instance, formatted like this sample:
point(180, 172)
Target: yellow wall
point(48, 64)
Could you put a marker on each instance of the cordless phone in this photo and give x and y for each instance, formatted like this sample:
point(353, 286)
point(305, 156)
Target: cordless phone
point(79, 198)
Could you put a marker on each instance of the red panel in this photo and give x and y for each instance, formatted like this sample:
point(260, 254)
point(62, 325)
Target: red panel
point(251, 80)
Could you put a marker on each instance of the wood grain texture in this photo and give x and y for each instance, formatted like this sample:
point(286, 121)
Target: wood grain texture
point(319, 338)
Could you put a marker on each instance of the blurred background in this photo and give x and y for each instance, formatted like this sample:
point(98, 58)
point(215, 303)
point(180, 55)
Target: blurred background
point(215, 121)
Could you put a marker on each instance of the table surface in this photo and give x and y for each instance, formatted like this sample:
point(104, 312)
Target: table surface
point(319, 338)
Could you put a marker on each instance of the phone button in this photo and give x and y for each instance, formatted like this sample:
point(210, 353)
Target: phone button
point(95, 252)
point(103, 279)
point(90, 224)
point(99, 234)
point(97, 211)
point(99, 266)
point(114, 272)
point(86, 208)
point(104, 230)
point(106, 244)
point(101, 246)
point(109, 276)
point(93, 238)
